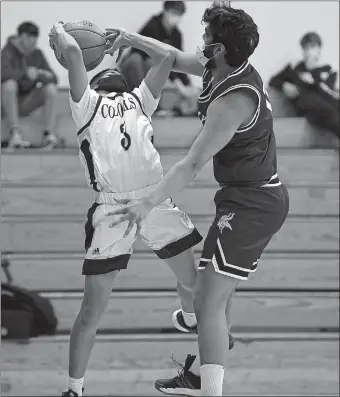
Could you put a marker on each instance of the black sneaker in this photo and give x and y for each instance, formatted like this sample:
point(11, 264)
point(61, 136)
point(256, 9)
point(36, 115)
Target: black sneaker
point(179, 323)
point(184, 384)
point(70, 393)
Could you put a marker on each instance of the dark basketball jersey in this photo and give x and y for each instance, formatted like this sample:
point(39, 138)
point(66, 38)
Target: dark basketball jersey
point(249, 159)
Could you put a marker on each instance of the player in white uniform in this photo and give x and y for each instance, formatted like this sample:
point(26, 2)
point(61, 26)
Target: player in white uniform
point(115, 139)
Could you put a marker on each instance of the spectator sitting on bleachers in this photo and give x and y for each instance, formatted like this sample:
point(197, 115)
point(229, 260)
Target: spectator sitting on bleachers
point(311, 86)
point(27, 82)
point(135, 65)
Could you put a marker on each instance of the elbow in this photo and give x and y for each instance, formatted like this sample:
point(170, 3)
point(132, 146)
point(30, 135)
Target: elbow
point(169, 57)
point(196, 168)
point(193, 166)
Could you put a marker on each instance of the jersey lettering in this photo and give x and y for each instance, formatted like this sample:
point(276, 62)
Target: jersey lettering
point(118, 110)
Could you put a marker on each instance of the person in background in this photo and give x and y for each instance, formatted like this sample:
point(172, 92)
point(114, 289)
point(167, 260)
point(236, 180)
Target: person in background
point(27, 83)
point(163, 27)
point(311, 86)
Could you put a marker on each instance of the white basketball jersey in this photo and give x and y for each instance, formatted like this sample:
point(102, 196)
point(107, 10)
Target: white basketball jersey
point(115, 139)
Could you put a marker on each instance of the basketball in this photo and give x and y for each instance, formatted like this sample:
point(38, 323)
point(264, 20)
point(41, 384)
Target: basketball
point(91, 41)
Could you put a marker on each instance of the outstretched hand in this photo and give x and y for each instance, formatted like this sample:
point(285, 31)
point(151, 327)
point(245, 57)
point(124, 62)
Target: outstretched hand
point(135, 212)
point(116, 39)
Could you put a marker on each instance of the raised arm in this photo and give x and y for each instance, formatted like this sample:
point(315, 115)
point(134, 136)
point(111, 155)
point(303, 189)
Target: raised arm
point(184, 62)
point(164, 59)
point(66, 46)
point(158, 74)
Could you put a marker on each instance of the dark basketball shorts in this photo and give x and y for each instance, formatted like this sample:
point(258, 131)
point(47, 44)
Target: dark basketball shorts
point(246, 220)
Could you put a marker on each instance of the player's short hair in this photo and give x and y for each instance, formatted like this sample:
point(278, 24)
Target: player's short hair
point(30, 28)
point(233, 28)
point(115, 83)
point(310, 38)
point(178, 6)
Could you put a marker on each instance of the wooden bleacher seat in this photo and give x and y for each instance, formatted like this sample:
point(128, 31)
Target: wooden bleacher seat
point(295, 166)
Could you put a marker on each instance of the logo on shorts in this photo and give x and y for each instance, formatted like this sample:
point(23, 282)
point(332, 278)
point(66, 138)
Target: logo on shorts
point(224, 222)
point(95, 251)
point(186, 219)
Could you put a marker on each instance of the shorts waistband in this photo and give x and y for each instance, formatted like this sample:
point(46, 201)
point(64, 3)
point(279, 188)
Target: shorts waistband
point(111, 198)
point(273, 181)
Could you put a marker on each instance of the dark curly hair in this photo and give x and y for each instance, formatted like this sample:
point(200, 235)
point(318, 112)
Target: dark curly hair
point(233, 28)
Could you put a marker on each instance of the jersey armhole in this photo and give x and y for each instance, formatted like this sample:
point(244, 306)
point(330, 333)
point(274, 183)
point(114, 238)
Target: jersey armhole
point(99, 100)
point(255, 117)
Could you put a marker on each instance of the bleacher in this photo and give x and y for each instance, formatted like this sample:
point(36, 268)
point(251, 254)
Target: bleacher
point(286, 316)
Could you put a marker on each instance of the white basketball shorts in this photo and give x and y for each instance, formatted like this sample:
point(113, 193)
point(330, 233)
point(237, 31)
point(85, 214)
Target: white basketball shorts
point(167, 231)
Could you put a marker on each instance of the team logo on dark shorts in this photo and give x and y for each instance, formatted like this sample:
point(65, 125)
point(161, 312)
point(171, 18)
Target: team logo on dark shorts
point(224, 222)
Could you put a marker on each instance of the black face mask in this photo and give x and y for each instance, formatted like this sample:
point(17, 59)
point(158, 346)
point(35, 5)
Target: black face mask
point(112, 82)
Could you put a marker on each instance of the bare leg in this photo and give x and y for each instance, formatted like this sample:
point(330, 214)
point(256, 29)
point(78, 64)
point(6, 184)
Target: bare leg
point(212, 294)
point(96, 295)
point(49, 108)
point(184, 268)
point(229, 312)
point(9, 101)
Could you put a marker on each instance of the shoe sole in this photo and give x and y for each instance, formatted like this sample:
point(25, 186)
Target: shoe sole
point(178, 391)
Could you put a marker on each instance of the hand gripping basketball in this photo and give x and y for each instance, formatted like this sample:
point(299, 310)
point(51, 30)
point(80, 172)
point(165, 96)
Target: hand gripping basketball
point(116, 39)
point(53, 38)
point(89, 37)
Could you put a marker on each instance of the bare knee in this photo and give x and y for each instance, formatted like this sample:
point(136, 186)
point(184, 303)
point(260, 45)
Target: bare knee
point(89, 316)
point(96, 296)
point(212, 293)
point(9, 87)
point(50, 90)
point(206, 304)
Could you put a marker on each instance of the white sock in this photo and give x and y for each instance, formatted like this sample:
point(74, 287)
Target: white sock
point(76, 385)
point(189, 318)
point(212, 380)
point(196, 366)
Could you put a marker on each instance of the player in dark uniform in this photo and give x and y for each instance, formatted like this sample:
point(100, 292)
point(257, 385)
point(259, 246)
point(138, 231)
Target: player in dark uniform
point(252, 203)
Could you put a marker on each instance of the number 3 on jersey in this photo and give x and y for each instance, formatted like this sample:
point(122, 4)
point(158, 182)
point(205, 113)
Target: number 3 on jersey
point(126, 140)
point(269, 106)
